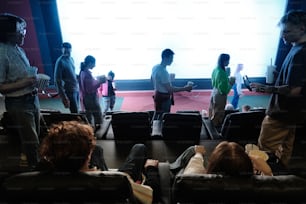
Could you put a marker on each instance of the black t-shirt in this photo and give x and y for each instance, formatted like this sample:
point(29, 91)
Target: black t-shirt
point(293, 73)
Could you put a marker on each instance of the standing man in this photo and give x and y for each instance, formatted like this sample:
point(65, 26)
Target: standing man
point(66, 79)
point(163, 96)
point(18, 81)
point(288, 100)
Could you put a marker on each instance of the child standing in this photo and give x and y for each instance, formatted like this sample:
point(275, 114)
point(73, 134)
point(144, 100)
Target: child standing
point(107, 91)
point(237, 86)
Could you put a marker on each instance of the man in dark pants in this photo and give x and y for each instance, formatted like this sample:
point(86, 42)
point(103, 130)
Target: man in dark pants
point(65, 79)
point(18, 81)
point(163, 96)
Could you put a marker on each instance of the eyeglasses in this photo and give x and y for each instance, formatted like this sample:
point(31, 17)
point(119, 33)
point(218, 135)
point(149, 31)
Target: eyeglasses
point(21, 28)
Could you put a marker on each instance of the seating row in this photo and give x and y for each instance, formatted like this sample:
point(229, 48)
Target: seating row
point(241, 127)
point(171, 126)
point(111, 187)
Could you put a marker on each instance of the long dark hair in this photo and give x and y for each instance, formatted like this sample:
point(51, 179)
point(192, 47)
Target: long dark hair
point(222, 59)
point(88, 59)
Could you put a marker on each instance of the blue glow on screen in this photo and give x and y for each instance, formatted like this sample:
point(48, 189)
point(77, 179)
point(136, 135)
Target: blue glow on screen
point(127, 36)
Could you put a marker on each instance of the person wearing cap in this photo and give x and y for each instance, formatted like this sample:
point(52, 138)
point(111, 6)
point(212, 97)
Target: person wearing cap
point(65, 79)
point(18, 83)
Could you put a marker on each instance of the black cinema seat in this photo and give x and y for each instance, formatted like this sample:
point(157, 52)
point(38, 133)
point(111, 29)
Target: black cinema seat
point(215, 188)
point(241, 127)
point(49, 118)
point(181, 126)
point(64, 187)
point(131, 125)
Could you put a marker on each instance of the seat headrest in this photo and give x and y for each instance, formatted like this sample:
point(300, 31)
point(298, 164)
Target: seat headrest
point(61, 186)
point(255, 188)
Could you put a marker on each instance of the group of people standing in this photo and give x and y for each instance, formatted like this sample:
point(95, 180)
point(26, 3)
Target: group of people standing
point(19, 86)
point(287, 105)
point(83, 89)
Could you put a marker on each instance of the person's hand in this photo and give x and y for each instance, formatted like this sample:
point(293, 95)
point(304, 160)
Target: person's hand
point(199, 149)
point(232, 80)
point(101, 79)
point(66, 102)
point(188, 88)
point(260, 165)
point(29, 81)
point(258, 87)
point(151, 162)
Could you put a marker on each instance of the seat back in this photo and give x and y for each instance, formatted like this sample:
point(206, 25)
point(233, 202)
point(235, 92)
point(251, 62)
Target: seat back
point(67, 187)
point(242, 127)
point(213, 188)
point(181, 126)
point(131, 125)
point(49, 118)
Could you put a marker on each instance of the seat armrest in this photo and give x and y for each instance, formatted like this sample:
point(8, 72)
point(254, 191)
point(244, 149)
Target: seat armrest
point(211, 129)
point(165, 181)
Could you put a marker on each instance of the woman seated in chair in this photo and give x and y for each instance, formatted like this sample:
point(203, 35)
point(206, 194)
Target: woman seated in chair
point(228, 159)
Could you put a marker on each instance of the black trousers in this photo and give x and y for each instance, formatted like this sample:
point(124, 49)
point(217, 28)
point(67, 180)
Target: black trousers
point(133, 165)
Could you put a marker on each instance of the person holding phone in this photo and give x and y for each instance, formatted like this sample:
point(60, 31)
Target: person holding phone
point(287, 105)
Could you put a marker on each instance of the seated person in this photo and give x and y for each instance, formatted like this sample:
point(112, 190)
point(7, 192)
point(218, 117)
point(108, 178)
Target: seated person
point(246, 108)
point(229, 107)
point(228, 159)
point(69, 145)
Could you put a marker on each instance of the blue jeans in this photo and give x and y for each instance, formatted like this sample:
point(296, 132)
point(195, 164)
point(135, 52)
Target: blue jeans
point(74, 98)
point(235, 99)
point(108, 103)
point(25, 113)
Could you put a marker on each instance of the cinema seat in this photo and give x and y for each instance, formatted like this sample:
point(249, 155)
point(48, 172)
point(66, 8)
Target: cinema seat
point(181, 126)
point(215, 188)
point(241, 127)
point(131, 126)
point(49, 118)
point(64, 187)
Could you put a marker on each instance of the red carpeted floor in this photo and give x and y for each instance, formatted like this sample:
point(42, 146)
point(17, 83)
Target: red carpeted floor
point(195, 100)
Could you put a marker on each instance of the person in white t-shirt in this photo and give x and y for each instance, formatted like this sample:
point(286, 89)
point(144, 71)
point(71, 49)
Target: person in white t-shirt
point(237, 86)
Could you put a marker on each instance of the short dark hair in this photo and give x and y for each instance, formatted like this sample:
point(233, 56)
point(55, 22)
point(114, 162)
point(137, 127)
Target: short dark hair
point(167, 53)
point(111, 73)
point(66, 45)
point(8, 23)
point(296, 17)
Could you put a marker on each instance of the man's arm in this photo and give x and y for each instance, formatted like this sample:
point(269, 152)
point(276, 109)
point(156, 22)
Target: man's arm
point(172, 89)
point(20, 84)
point(283, 90)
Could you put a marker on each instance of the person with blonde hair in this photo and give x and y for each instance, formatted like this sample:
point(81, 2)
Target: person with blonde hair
point(237, 86)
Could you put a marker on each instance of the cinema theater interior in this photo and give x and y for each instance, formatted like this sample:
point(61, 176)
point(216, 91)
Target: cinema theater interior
point(163, 102)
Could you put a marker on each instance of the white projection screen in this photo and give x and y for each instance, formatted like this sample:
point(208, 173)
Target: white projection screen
point(127, 36)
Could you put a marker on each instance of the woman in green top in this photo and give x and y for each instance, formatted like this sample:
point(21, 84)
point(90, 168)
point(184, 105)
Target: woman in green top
point(222, 85)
